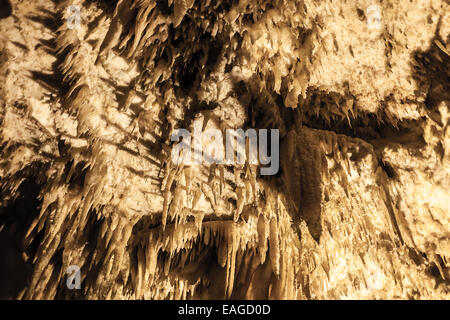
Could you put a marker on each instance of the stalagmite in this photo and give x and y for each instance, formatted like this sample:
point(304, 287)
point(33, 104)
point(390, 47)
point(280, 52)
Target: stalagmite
point(274, 246)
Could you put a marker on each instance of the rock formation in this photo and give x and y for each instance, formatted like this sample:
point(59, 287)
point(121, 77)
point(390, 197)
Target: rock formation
point(92, 91)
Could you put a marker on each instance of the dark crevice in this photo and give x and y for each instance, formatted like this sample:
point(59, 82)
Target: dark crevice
point(432, 71)
point(388, 169)
point(15, 218)
point(6, 9)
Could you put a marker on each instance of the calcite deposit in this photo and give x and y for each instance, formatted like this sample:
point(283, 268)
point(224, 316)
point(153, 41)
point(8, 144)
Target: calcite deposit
point(92, 91)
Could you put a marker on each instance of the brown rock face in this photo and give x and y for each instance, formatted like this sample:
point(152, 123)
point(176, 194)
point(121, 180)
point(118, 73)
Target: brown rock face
point(91, 93)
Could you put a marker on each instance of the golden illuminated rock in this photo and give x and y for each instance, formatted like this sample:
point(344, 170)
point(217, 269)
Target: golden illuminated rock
point(92, 91)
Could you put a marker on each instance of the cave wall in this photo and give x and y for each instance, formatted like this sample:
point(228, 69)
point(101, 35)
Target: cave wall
point(358, 210)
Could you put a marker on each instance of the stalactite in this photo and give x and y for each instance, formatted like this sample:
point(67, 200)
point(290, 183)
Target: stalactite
point(357, 209)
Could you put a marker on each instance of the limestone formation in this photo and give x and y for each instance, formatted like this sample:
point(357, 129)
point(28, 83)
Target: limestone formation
point(92, 91)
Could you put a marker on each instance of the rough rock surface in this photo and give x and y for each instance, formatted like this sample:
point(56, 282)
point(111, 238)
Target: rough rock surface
point(359, 209)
